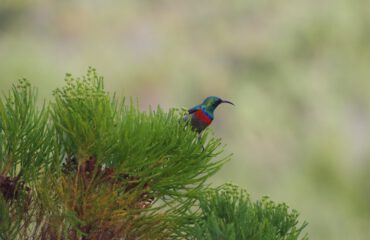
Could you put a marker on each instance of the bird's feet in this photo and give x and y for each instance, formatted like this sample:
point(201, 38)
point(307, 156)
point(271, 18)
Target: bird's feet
point(200, 142)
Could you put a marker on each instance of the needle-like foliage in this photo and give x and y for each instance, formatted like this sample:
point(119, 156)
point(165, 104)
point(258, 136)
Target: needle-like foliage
point(228, 213)
point(88, 165)
point(25, 151)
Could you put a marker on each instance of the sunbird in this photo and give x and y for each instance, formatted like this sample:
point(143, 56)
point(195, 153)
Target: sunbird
point(202, 115)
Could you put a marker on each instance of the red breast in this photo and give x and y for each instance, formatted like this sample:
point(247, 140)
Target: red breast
point(199, 114)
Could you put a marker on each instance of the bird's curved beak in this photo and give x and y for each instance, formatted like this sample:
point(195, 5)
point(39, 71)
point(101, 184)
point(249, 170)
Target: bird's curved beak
point(225, 101)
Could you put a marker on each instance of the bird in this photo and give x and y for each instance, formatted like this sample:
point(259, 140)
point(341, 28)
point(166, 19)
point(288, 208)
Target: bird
point(202, 115)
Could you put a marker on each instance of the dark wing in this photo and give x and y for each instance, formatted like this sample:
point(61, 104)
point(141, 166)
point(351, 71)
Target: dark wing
point(190, 112)
point(194, 109)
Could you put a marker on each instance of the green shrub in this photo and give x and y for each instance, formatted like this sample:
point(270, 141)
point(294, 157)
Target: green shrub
point(227, 212)
point(88, 166)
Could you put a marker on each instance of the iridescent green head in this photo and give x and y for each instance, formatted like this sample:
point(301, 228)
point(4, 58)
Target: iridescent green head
point(211, 103)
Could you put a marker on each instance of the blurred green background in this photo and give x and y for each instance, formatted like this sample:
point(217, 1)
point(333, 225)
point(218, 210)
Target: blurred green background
point(298, 72)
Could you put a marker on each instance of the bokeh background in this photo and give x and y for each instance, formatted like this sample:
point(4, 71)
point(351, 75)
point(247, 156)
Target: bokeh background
point(298, 72)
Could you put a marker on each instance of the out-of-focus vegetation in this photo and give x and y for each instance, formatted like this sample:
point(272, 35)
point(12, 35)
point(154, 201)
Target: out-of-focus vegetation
point(227, 212)
point(298, 72)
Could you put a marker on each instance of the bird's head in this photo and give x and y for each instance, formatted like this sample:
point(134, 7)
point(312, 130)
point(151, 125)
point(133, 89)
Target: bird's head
point(212, 102)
